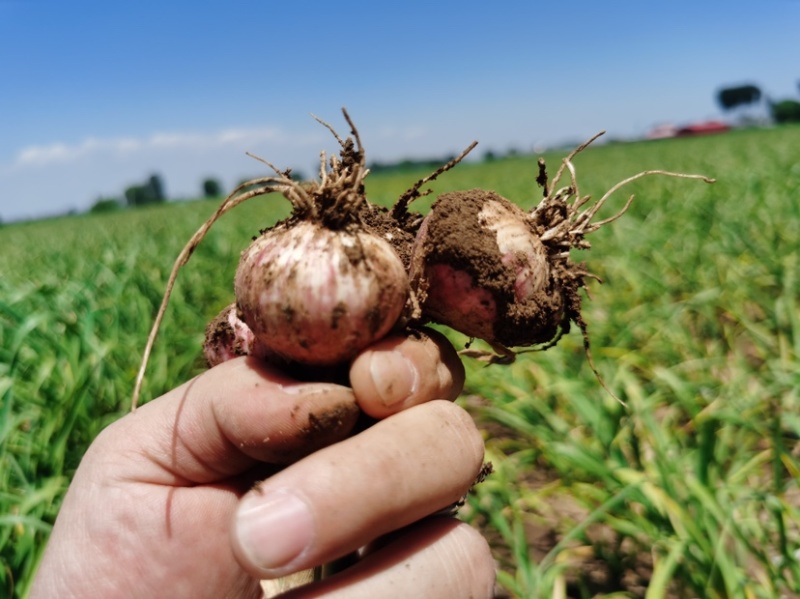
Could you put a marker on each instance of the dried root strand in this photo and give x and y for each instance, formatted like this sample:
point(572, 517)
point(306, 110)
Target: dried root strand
point(236, 197)
point(301, 202)
point(353, 159)
point(584, 218)
point(344, 178)
point(329, 128)
point(400, 210)
point(342, 142)
point(541, 178)
point(568, 160)
point(565, 224)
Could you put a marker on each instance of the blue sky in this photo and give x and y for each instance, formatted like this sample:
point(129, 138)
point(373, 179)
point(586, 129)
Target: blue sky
point(95, 96)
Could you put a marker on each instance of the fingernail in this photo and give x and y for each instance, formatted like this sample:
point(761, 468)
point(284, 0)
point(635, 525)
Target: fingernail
point(273, 529)
point(395, 377)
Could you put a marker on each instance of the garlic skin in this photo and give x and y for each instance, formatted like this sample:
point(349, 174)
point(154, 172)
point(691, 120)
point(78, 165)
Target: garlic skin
point(227, 337)
point(520, 249)
point(319, 296)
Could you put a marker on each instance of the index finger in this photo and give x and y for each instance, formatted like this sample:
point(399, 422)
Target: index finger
point(225, 420)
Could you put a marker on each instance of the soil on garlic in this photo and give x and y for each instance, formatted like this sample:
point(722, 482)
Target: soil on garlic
point(382, 223)
point(456, 237)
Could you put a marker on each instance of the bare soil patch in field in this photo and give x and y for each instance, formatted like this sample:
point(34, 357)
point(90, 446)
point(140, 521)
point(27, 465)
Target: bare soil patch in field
point(599, 564)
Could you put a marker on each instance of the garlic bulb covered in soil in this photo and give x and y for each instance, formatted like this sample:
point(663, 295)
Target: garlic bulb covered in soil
point(482, 270)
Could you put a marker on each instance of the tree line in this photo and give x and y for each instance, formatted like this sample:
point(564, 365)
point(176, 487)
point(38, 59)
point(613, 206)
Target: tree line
point(781, 111)
point(149, 192)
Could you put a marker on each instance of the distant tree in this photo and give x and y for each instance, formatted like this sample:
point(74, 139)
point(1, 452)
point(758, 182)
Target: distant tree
point(211, 188)
point(785, 111)
point(155, 189)
point(150, 192)
point(105, 205)
point(732, 97)
point(134, 195)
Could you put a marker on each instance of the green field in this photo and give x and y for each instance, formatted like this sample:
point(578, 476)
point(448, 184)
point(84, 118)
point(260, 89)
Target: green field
point(688, 490)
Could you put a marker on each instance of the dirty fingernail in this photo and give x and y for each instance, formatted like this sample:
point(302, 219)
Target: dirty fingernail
point(394, 376)
point(273, 529)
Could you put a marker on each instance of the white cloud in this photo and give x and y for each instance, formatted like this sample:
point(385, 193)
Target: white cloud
point(104, 166)
point(61, 153)
point(39, 155)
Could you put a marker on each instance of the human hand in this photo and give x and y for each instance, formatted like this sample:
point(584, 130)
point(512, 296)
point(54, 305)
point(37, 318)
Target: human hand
point(167, 503)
